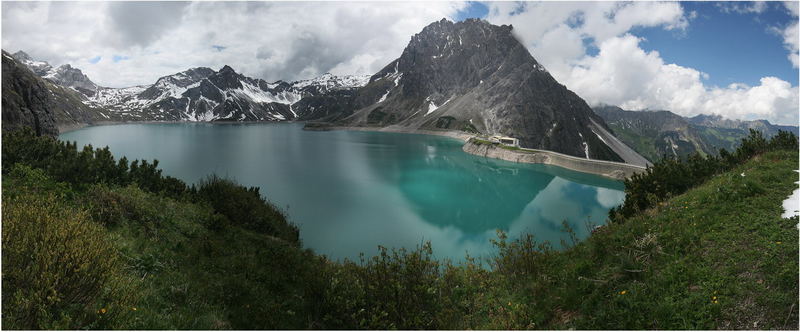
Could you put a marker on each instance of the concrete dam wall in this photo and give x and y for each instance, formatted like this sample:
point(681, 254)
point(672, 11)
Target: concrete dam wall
point(609, 169)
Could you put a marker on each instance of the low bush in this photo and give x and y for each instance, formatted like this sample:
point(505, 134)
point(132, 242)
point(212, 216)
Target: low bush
point(64, 162)
point(59, 269)
point(393, 290)
point(246, 207)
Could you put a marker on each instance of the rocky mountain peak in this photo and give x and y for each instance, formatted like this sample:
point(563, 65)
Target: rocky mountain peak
point(227, 78)
point(475, 76)
point(21, 55)
point(66, 75)
point(40, 68)
point(227, 69)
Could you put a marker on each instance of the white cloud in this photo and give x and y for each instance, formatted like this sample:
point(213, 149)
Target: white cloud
point(791, 42)
point(263, 39)
point(623, 74)
point(791, 36)
point(554, 32)
point(742, 7)
point(793, 7)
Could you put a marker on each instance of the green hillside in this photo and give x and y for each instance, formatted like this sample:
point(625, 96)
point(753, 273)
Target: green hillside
point(93, 242)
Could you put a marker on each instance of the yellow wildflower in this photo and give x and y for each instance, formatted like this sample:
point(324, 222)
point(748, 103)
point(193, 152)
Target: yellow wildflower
point(134, 308)
point(623, 292)
point(103, 310)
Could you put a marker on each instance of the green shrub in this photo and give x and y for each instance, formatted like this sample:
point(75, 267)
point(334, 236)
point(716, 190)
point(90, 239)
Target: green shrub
point(246, 207)
point(64, 162)
point(397, 290)
point(59, 269)
point(105, 206)
point(113, 206)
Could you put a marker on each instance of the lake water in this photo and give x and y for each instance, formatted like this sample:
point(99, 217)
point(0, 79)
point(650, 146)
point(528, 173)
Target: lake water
point(350, 191)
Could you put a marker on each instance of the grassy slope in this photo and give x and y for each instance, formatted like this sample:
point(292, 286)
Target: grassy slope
point(198, 276)
point(185, 271)
point(644, 145)
point(661, 269)
point(664, 269)
point(722, 138)
point(724, 239)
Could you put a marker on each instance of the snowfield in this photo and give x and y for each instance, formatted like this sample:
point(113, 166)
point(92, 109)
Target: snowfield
point(791, 206)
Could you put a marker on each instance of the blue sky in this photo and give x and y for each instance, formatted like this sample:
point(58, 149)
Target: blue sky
point(731, 47)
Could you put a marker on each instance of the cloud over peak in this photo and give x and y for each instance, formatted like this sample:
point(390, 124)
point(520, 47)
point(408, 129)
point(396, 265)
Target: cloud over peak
point(287, 40)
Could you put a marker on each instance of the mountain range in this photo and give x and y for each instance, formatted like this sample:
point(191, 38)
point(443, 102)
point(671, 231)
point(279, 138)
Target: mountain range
point(656, 134)
point(197, 94)
point(466, 76)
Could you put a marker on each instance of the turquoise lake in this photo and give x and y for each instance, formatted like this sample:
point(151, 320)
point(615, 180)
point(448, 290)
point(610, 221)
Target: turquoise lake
point(350, 191)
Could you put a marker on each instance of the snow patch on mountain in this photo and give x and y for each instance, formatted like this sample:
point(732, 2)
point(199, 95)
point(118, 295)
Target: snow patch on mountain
point(585, 146)
point(257, 95)
point(328, 82)
point(121, 96)
point(431, 108)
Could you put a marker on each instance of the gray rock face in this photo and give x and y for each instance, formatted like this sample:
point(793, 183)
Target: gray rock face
point(26, 100)
point(475, 76)
point(66, 75)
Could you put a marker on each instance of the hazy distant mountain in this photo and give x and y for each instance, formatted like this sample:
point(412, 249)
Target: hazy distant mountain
point(717, 121)
point(475, 76)
point(655, 134)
